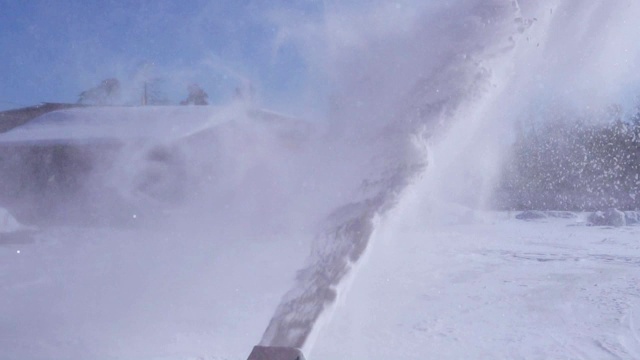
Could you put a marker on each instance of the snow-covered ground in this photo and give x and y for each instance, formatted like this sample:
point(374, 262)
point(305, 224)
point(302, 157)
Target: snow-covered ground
point(82, 293)
point(497, 288)
point(485, 287)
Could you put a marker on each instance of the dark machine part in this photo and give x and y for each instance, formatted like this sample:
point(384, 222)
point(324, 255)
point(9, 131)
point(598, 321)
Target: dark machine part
point(275, 353)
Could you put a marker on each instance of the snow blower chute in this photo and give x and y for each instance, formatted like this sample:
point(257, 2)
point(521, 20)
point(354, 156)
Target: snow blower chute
point(275, 353)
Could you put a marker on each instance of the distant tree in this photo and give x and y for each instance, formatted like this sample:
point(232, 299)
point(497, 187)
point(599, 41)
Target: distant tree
point(197, 96)
point(106, 93)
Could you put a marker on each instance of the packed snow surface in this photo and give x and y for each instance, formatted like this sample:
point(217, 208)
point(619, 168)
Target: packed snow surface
point(484, 286)
point(492, 288)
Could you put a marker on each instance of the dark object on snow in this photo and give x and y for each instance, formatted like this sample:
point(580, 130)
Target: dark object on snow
point(609, 217)
point(275, 353)
point(531, 215)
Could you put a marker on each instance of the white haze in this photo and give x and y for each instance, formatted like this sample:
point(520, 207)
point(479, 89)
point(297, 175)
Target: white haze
point(434, 87)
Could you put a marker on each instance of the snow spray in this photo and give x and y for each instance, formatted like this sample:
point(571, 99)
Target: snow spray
point(447, 76)
point(453, 76)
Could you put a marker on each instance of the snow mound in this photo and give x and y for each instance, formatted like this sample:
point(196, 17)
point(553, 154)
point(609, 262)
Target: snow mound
point(561, 214)
point(531, 215)
point(609, 217)
point(536, 215)
point(632, 217)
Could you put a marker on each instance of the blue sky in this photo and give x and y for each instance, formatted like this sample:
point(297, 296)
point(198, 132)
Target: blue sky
point(54, 49)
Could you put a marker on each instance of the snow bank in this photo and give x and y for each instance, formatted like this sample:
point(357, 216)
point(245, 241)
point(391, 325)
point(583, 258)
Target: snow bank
point(531, 215)
point(632, 217)
point(609, 217)
point(537, 214)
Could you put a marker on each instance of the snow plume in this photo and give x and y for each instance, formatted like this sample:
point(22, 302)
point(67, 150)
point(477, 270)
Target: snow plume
point(453, 77)
point(422, 98)
point(398, 78)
